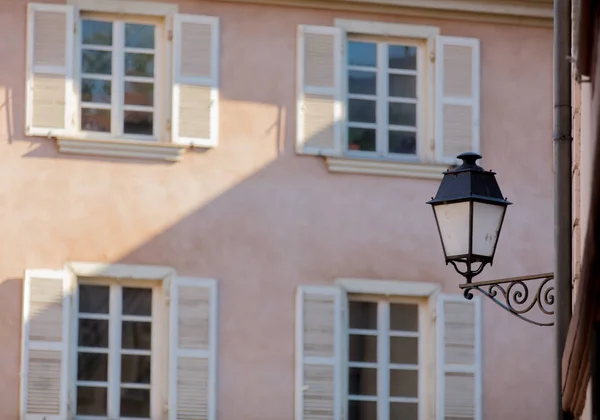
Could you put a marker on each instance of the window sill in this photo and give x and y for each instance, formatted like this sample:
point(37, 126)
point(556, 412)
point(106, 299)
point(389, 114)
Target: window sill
point(121, 148)
point(377, 167)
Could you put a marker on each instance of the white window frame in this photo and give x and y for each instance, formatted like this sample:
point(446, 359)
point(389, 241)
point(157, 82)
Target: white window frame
point(421, 293)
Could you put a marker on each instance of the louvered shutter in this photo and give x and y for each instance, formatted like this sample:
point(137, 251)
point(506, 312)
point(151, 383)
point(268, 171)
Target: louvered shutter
point(457, 97)
point(459, 358)
point(319, 125)
point(49, 85)
point(319, 344)
point(44, 361)
point(195, 114)
point(193, 336)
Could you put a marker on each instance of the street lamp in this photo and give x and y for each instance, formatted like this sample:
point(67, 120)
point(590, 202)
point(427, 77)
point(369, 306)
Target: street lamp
point(469, 210)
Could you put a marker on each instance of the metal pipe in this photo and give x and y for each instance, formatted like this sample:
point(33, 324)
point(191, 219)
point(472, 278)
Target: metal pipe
point(562, 185)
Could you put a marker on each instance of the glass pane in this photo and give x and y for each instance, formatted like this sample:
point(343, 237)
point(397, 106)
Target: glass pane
point(137, 122)
point(404, 383)
point(362, 410)
point(93, 333)
point(362, 381)
point(135, 369)
point(93, 299)
point(96, 32)
point(404, 411)
point(93, 90)
point(402, 86)
point(402, 57)
point(404, 350)
point(363, 315)
point(404, 317)
point(139, 93)
point(362, 348)
point(135, 403)
point(362, 82)
point(91, 401)
point(402, 114)
point(95, 120)
point(139, 36)
point(139, 65)
point(361, 139)
point(96, 62)
point(403, 142)
point(92, 367)
point(136, 335)
point(362, 54)
point(137, 301)
point(361, 110)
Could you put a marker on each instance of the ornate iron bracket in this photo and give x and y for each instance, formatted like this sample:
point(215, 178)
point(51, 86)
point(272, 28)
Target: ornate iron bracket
point(513, 295)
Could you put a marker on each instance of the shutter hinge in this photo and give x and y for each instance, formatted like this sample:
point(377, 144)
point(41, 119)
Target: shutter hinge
point(432, 56)
point(74, 27)
point(433, 315)
point(170, 35)
point(169, 125)
point(165, 408)
point(168, 296)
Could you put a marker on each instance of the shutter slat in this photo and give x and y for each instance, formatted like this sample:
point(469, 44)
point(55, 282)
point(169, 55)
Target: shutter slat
point(320, 95)
point(459, 358)
point(457, 97)
point(318, 337)
point(196, 80)
point(50, 42)
point(193, 349)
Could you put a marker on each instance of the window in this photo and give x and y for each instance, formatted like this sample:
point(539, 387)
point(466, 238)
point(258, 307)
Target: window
point(115, 356)
point(383, 80)
point(383, 359)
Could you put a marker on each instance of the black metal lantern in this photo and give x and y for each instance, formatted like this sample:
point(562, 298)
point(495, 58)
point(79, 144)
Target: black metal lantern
point(469, 210)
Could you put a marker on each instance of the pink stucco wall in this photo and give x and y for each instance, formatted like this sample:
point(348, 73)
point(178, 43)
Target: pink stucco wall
point(262, 220)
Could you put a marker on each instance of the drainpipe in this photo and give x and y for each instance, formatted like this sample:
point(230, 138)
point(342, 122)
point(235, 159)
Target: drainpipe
point(562, 185)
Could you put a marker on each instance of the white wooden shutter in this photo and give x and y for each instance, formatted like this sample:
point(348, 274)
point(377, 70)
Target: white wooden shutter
point(193, 349)
point(45, 346)
point(50, 37)
point(195, 114)
point(457, 97)
point(319, 354)
point(459, 358)
point(319, 99)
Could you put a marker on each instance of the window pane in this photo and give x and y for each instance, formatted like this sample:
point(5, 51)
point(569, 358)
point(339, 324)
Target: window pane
point(404, 350)
point(404, 411)
point(404, 317)
point(402, 114)
point(139, 36)
point(402, 142)
point(96, 32)
point(137, 122)
point(91, 401)
point(139, 93)
point(362, 54)
point(363, 315)
point(361, 139)
point(135, 369)
point(402, 57)
point(93, 90)
point(139, 65)
point(93, 299)
point(136, 335)
point(363, 410)
point(404, 383)
point(96, 62)
point(135, 403)
point(362, 381)
point(95, 120)
point(362, 82)
point(137, 301)
point(93, 333)
point(361, 110)
point(362, 348)
point(92, 367)
point(402, 86)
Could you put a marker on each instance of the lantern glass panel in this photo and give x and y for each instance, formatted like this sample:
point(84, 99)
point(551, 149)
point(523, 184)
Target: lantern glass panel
point(453, 222)
point(487, 219)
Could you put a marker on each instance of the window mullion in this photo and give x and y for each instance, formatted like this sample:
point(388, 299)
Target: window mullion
point(114, 357)
point(382, 94)
point(118, 70)
point(383, 357)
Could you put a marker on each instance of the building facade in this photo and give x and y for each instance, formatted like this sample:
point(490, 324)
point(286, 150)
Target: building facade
point(215, 210)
